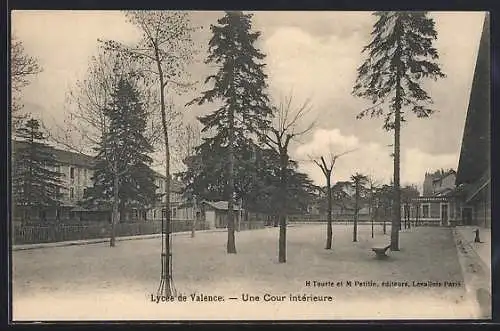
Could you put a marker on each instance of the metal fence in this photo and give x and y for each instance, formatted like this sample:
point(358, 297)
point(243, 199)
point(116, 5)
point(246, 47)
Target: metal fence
point(34, 234)
point(363, 219)
point(322, 218)
point(47, 233)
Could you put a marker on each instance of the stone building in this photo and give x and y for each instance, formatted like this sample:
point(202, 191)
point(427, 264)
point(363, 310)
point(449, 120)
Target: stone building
point(77, 170)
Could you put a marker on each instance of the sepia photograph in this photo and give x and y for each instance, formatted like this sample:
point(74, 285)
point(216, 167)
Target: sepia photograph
point(250, 165)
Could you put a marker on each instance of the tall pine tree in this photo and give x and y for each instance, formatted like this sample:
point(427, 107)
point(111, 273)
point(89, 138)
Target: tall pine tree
point(122, 176)
point(36, 181)
point(399, 57)
point(239, 85)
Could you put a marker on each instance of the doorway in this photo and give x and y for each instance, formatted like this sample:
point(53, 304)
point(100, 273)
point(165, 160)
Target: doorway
point(210, 218)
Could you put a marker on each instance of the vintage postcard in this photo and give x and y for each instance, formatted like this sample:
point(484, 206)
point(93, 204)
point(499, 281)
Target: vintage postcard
point(190, 165)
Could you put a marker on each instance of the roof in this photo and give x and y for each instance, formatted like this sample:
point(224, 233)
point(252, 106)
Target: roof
point(473, 189)
point(220, 205)
point(81, 160)
point(444, 191)
point(475, 150)
point(439, 177)
point(175, 185)
point(65, 157)
point(86, 161)
point(431, 198)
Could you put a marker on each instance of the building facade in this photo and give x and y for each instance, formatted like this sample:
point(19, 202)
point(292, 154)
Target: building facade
point(439, 183)
point(437, 205)
point(215, 214)
point(77, 170)
point(179, 208)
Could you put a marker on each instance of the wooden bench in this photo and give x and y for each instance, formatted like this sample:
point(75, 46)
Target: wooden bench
point(381, 251)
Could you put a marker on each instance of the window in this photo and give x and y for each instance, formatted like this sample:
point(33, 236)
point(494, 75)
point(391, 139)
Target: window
point(154, 214)
point(174, 212)
point(425, 211)
point(71, 193)
point(135, 213)
point(72, 173)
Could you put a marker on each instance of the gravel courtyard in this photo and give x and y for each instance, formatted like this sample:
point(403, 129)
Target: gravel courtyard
point(93, 282)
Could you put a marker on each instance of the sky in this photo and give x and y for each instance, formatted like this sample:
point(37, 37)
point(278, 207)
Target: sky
point(311, 55)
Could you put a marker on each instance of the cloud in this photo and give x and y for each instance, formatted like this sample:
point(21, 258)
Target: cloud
point(314, 66)
point(369, 158)
point(343, 24)
point(314, 53)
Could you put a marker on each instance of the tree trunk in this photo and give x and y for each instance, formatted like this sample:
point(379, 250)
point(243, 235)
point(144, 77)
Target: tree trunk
point(282, 215)
point(246, 219)
point(238, 225)
point(329, 230)
point(396, 217)
point(356, 211)
point(115, 212)
point(282, 239)
point(231, 245)
point(371, 219)
point(385, 219)
point(193, 225)
point(370, 207)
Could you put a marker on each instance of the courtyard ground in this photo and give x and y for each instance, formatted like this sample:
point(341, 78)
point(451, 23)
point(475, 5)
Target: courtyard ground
point(94, 282)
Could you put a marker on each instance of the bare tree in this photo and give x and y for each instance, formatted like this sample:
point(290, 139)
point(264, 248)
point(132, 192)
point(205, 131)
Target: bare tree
point(87, 124)
point(326, 165)
point(164, 50)
point(188, 138)
point(23, 67)
point(286, 126)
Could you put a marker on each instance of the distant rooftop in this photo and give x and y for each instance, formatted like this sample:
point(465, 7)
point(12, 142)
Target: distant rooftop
point(439, 177)
point(86, 161)
point(65, 157)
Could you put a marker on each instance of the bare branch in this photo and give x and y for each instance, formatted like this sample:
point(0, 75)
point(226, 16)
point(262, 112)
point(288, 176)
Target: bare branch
point(181, 84)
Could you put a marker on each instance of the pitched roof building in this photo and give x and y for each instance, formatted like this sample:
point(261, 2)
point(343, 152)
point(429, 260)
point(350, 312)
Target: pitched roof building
point(474, 167)
point(78, 169)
